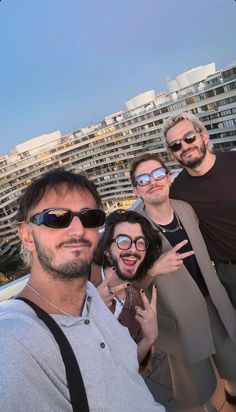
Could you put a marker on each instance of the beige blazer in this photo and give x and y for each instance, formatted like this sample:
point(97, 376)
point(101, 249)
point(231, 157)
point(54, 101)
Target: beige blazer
point(184, 325)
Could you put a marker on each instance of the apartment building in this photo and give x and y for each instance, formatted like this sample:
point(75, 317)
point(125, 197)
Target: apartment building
point(104, 150)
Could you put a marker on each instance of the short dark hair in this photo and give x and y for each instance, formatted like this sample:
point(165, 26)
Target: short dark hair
point(53, 179)
point(130, 216)
point(144, 158)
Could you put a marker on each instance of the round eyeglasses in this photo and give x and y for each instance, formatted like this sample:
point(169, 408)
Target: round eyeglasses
point(156, 174)
point(124, 242)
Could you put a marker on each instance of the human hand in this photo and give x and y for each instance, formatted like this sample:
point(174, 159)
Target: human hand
point(147, 317)
point(107, 292)
point(169, 261)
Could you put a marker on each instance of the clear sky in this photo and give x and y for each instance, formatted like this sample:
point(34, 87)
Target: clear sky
point(67, 63)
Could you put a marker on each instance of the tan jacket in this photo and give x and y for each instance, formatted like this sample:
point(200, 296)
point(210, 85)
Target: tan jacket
point(184, 326)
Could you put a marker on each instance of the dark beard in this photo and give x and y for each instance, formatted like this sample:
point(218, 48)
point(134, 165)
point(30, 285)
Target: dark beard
point(114, 262)
point(193, 163)
point(65, 271)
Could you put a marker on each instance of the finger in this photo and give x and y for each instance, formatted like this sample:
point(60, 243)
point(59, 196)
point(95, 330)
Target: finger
point(144, 299)
point(120, 287)
point(154, 297)
point(107, 279)
point(140, 312)
point(179, 245)
point(185, 255)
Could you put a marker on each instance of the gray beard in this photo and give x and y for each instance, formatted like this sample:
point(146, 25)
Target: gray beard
point(65, 271)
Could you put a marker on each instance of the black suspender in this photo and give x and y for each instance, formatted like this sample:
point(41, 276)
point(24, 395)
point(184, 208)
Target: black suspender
point(75, 382)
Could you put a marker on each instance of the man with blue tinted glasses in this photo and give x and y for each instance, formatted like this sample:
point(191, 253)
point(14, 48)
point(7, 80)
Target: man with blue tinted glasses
point(59, 216)
point(195, 316)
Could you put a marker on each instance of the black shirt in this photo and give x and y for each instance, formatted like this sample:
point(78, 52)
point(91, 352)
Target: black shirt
point(190, 262)
point(213, 197)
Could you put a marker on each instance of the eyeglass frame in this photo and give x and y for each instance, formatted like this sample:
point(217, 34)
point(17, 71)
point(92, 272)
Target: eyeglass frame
point(151, 175)
point(146, 242)
point(192, 135)
point(38, 218)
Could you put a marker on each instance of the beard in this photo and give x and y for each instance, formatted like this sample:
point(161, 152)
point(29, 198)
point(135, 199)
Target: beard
point(123, 276)
point(195, 162)
point(74, 269)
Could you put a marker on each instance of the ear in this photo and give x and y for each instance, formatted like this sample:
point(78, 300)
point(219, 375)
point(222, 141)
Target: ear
point(26, 237)
point(135, 190)
point(205, 137)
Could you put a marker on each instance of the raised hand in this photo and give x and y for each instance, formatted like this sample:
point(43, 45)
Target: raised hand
point(107, 292)
point(169, 261)
point(147, 317)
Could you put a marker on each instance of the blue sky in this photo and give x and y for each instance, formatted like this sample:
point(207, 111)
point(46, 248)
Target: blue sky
point(67, 63)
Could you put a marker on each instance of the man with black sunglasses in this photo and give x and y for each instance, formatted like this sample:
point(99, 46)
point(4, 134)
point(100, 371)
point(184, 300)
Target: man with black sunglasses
point(207, 182)
point(126, 251)
point(195, 317)
point(60, 345)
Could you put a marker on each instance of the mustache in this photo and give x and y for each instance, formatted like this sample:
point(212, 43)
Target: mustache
point(188, 150)
point(126, 254)
point(73, 241)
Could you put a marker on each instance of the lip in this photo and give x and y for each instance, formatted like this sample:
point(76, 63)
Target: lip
point(155, 189)
point(189, 152)
point(129, 261)
point(75, 246)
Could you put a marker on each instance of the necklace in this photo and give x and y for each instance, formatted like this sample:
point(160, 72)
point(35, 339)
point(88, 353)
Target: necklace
point(50, 303)
point(164, 229)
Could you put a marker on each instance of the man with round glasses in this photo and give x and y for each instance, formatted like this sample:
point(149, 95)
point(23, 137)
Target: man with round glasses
point(60, 345)
point(126, 251)
point(207, 183)
point(195, 316)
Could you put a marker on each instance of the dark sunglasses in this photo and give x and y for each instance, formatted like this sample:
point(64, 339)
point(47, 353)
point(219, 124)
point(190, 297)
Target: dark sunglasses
point(61, 218)
point(177, 145)
point(124, 242)
point(145, 179)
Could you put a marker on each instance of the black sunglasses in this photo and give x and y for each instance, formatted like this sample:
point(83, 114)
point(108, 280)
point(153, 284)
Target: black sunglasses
point(124, 242)
point(145, 178)
point(61, 218)
point(177, 145)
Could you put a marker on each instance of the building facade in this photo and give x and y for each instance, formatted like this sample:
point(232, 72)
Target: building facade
point(103, 151)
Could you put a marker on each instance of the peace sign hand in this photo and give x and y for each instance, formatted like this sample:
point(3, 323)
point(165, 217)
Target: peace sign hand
point(170, 261)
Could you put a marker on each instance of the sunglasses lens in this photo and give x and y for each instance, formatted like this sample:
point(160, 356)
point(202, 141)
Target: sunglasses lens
point(175, 147)
point(143, 180)
point(92, 218)
point(57, 218)
point(123, 242)
point(159, 173)
point(190, 139)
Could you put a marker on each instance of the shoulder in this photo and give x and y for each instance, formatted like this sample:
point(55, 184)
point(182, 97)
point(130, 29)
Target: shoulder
point(177, 204)
point(226, 157)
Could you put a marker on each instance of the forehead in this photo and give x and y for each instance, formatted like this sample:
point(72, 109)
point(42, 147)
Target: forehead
point(179, 130)
point(147, 167)
point(131, 229)
point(65, 197)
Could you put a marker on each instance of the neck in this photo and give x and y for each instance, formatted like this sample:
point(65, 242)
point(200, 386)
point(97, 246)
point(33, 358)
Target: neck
point(207, 163)
point(67, 296)
point(160, 213)
point(115, 281)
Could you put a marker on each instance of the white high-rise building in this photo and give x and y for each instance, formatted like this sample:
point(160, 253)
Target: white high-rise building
point(104, 150)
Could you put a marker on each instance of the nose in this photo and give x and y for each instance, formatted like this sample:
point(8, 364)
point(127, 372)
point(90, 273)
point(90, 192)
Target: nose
point(76, 228)
point(132, 248)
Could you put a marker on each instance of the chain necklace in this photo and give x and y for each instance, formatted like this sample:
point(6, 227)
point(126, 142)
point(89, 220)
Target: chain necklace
point(163, 229)
point(50, 303)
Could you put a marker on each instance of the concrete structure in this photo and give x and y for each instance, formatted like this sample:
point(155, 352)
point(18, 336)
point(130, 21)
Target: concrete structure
point(104, 150)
